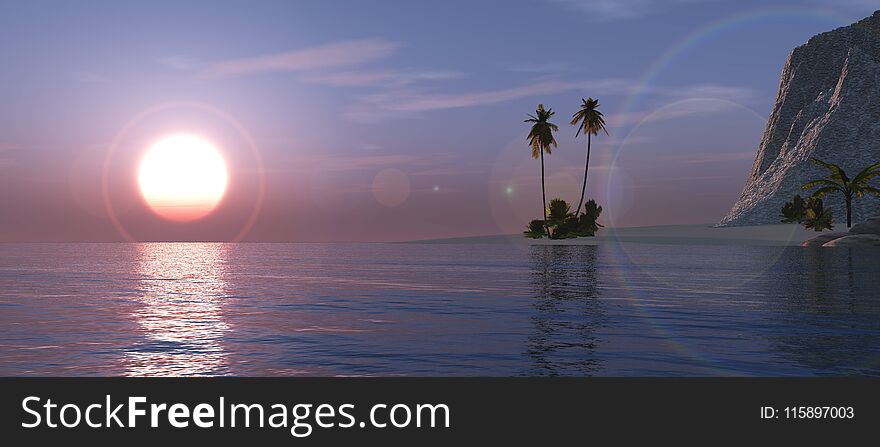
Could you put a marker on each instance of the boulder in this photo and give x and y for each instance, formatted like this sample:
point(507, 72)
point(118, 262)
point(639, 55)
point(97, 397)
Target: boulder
point(855, 240)
point(821, 239)
point(870, 226)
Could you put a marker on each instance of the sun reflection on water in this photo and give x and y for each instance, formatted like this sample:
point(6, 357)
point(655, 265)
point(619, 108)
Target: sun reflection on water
point(180, 318)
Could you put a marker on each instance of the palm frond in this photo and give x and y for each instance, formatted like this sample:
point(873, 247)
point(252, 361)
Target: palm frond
point(823, 181)
point(540, 136)
point(825, 164)
point(822, 191)
point(871, 190)
point(867, 173)
point(837, 172)
point(589, 119)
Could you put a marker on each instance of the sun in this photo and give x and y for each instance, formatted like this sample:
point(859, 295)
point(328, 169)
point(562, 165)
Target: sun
point(182, 177)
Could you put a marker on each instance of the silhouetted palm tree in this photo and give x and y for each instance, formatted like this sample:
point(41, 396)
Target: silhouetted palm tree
point(590, 121)
point(540, 139)
point(838, 181)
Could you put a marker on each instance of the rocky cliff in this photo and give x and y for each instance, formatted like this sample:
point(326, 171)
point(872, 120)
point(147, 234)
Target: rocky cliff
point(828, 107)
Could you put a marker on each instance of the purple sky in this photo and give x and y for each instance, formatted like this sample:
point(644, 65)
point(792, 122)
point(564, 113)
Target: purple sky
point(390, 120)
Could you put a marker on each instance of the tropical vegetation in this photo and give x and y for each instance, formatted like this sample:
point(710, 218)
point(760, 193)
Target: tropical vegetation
point(810, 213)
point(558, 220)
point(589, 120)
point(838, 181)
point(561, 223)
point(540, 139)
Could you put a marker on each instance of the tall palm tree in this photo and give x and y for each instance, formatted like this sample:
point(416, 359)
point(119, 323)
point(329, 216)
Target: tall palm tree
point(540, 139)
point(838, 181)
point(590, 121)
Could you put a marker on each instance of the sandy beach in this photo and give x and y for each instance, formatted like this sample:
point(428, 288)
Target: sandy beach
point(702, 234)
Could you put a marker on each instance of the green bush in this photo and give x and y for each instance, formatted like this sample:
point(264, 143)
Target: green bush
point(816, 217)
point(565, 225)
point(557, 212)
point(589, 224)
point(535, 229)
point(810, 213)
point(794, 211)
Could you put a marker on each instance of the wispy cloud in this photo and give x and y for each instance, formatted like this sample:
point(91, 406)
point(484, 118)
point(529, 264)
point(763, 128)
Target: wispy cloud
point(863, 6)
point(609, 10)
point(6, 160)
point(542, 69)
point(682, 101)
point(401, 103)
point(737, 94)
point(382, 77)
point(411, 102)
point(354, 163)
point(88, 77)
point(329, 56)
point(179, 62)
point(710, 157)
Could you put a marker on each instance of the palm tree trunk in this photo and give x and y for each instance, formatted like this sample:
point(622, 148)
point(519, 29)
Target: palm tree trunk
point(543, 195)
point(848, 211)
point(586, 171)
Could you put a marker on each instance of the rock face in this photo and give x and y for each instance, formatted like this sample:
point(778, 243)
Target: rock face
point(870, 226)
point(856, 240)
point(822, 239)
point(865, 234)
point(828, 107)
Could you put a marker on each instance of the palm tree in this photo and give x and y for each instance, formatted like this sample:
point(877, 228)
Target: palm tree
point(838, 181)
point(540, 139)
point(590, 121)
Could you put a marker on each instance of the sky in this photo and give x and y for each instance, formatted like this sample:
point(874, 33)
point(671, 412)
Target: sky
point(386, 120)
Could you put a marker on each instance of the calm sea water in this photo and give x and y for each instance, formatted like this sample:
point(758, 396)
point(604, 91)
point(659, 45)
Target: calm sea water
point(420, 309)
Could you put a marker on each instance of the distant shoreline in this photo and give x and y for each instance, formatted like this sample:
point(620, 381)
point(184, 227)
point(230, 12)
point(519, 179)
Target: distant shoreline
point(700, 234)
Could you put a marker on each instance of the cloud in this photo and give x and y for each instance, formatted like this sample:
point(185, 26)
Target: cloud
point(413, 164)
point(737, 94)
point(864, 6)
point(542, 69)
point(690, 100)
point(334, 55)
point(386, 77)
point(710, 157)
point(410, 102)
point(402, 103)
point(398, 103)
point(610, 10)
point(605, 10)
point(179, 63)
point(89, 77)
point(349, 163)
point(6, 160)
point(680, 109)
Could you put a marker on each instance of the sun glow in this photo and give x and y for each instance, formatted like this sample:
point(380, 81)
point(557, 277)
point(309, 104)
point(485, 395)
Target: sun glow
point(182, 177)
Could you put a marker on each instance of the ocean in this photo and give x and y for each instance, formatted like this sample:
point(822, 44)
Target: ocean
point(253, 309)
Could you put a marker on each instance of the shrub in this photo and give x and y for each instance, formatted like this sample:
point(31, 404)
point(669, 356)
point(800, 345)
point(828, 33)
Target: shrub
point(557, 212)
point(535, 229)
point(588, 223)
point(810, 213)
point(564, 225)
point(794, 211)
point(816, 217)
